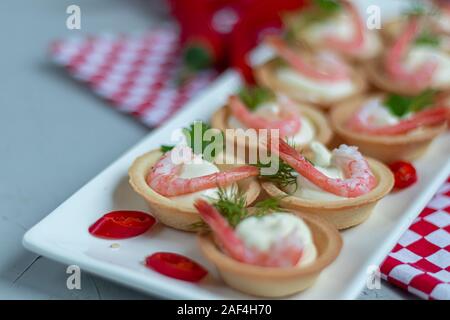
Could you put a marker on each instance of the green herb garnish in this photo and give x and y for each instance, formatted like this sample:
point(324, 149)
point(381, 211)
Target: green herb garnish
point(268, 205)
point(255, 96)
point(319, 11)
point(285, 175)
point(401, 105)
point(166, 148)
point(328, 5)
point(231, 204)
point(427, 39)
point(203, 139)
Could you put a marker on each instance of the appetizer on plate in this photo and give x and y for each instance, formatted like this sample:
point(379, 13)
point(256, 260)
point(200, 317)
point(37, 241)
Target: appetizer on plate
point(270, 255)
point(342, 186)
point(321, 78)
point(171, 178)
point(417, 59)
point(336, 26)
point(259, 108)
point(391, 127)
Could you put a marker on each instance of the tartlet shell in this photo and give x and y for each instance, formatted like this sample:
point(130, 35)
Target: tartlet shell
point(384, 148)
point(164, 209)
point(342, 214)
point(276, 282)
point(265, 75)
point(324, 134)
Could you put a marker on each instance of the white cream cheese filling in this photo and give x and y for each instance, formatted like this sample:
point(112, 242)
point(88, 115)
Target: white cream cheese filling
point(342, 27)
point(262, 232)
point(316, 89)
point(421, 54)
point(377, 114)
point(322, 162)
point(305, 135)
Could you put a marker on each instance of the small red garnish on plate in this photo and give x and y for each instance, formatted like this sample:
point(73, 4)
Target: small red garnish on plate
point(404, 174)
point(176, 266)
point(122, 224)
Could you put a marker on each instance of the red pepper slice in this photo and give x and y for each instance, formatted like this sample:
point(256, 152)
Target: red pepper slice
point(122, 224)
point(404, 174)
point(176, 266)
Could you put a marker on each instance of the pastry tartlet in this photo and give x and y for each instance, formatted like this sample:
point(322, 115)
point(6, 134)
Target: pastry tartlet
point(276, 281)
point(168, 211)
point(335, 26)
point(341, 186)
point(317, 127)
point(268, 74)
point(387, 148)
point(416, 59)
point(344, 213)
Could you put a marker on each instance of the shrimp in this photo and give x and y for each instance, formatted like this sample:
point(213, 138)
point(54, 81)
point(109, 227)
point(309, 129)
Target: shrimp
point(164, 179)
point(289, 124)
point(357, 42)
point(324, 68)
point(360, 178)
point(418, 79)
point(427, 117)
point(284, 253)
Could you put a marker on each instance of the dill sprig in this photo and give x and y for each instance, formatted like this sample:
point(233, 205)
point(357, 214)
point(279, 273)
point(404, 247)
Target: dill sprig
point(231, 205)
point(283, 177)
point(268, 205)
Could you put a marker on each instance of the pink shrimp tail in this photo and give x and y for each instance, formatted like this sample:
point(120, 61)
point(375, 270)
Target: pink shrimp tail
point(434, 116)
point(335, 72)
point(225, 233)
point(164, 177)
point(360, 181)
point(418, 79)
point(356, 43)
point(284, 253)
point(288, 126)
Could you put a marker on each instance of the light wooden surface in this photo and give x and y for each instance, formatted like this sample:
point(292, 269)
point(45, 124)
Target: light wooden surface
point(55, 135)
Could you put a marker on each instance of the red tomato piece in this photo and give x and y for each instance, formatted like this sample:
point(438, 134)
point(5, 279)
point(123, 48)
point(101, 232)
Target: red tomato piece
point(404, 174)
point(122, 224)
point(176, 266)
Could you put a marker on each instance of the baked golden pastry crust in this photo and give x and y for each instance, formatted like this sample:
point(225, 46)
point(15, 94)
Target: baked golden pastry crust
point(344, 213)
point(276, 282)
point(168, 211)
point(387, 148)
point(323, 133)
point(265, 75)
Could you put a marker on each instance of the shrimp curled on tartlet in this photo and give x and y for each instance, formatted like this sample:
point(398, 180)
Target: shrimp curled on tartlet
point(406, 139)
point(318, 78)
point(159, 184)
point(275, 272)
point(345, 194)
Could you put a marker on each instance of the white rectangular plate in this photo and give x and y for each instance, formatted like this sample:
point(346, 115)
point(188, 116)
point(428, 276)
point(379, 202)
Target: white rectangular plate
point(63, 235)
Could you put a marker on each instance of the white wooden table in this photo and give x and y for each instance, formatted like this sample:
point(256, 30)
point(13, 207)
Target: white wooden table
point(55, 135)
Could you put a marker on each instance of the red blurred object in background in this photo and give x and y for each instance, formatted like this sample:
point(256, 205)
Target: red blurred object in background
point(220, 33)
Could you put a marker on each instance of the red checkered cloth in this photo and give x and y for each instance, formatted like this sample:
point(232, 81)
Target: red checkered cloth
point(138, 74)
point(420, 262)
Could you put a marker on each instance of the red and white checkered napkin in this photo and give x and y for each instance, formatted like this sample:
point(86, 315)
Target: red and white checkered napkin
point(137, 73)
point(420, 262)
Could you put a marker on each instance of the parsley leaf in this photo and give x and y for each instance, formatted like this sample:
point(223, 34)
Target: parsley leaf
point(201, 137)
point(427, 39)
point(255, 96)
point(328, 5)
point(401, 105)
point(166, 148)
